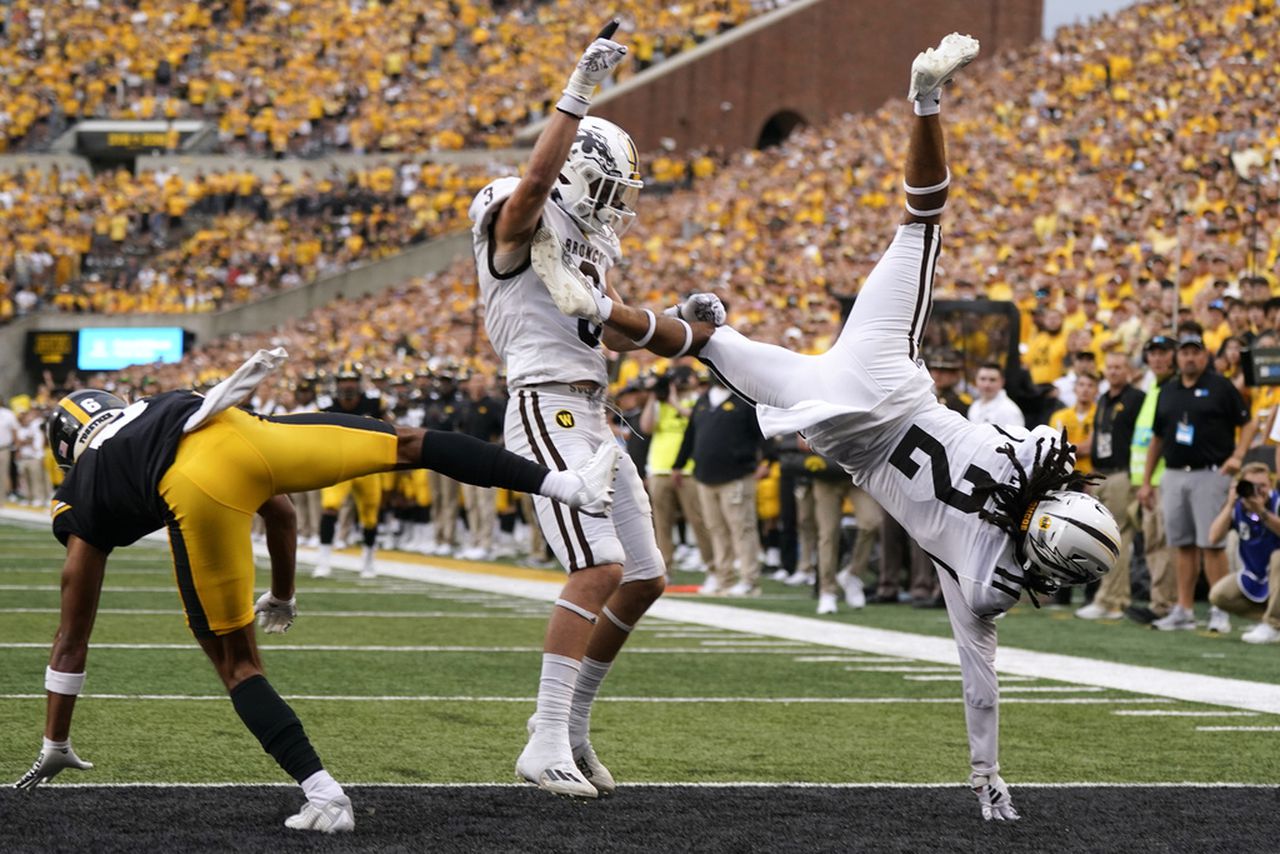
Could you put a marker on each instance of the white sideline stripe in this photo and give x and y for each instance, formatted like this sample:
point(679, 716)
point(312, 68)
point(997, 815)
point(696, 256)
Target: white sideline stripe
point(1153, 681)
point(955, 677)
point(285, 647)
point(1238, 729)
point(308, 615)
point(848, 659)
point(1173, 713)
point(1050, 689)
point(746, 784)
point(785, 701)
point(753, 643)
point(901, 668)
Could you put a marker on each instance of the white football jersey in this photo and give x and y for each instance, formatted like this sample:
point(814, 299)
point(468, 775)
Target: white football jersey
point(922, 469)
point(536, 341)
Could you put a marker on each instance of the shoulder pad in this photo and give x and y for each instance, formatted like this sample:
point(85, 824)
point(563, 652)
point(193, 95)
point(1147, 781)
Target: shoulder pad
point(488, 200)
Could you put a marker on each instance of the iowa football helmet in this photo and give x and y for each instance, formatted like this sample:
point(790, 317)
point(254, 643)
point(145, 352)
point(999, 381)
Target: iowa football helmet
point(76, 419)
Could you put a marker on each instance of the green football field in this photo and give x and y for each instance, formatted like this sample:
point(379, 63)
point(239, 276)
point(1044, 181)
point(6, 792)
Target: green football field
point(404, 681)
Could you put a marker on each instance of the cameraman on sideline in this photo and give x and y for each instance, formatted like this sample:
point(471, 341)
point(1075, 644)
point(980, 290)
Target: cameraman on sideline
point(1252, 510)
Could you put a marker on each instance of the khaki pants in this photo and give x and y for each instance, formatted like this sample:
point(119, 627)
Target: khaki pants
point(1117, 494)
point(1164, 578)
point(444, 508)
point(482, 514)
point(898, 551)
point(307, 506)
point(6, 454)
point(828, 503)
point(665, 497)
point(1226, 594)
point(729, 510)
point(35, 480)
point(806, 529)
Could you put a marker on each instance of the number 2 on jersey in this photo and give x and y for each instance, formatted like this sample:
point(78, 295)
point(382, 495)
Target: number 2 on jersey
point(903, 460)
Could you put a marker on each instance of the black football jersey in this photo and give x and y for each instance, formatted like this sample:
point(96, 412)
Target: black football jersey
point(110, 497)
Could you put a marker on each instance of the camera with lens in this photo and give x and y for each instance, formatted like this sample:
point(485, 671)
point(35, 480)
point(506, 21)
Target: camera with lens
point(1245, 489)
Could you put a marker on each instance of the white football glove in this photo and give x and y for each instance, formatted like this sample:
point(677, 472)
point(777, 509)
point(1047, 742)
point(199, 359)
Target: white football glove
point(275, 616)
point(598, 60)
point(47, 765)
point(702, 307)
point(993, 797)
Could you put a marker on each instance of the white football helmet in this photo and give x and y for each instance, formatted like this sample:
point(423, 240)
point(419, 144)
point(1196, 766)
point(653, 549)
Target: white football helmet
point(1071, 538)
point(600, 182)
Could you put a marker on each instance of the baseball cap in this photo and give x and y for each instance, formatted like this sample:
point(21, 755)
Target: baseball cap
point(1190, 340)
point(1158, 342)
point(1219, 305)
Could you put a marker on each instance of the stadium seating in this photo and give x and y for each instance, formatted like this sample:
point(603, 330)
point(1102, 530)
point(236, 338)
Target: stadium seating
point(311, 75)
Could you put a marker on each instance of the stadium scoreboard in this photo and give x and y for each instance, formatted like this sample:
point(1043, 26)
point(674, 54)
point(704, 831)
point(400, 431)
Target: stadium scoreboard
point(104, 348)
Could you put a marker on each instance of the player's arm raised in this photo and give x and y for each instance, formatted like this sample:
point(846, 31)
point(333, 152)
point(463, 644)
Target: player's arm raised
point(519, 216)
point(81, 588)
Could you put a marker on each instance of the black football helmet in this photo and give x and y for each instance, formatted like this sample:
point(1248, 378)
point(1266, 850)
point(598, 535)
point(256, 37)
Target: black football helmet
point(75, 419)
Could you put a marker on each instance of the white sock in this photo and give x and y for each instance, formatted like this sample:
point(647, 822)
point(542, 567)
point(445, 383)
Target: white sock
point(49, 744)
point(929, 103)
point(561, 485)
point(555, 696)
point(326, 554)
point(320, 788)
point(584, 694)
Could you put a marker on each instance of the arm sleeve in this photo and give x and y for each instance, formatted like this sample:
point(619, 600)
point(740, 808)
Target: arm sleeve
point(976, 642)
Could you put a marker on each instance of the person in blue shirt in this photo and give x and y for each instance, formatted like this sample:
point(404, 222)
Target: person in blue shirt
point(1253, 511)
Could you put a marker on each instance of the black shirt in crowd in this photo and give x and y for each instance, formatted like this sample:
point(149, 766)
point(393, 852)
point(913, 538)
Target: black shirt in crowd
point(111, 495)
point(1198, 424)
point(370, 406)
point(482, 418)
point(1113, 426)
point(724, 441)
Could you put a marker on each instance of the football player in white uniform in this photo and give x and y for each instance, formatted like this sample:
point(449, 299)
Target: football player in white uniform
point(998, 510)
point(581, 185)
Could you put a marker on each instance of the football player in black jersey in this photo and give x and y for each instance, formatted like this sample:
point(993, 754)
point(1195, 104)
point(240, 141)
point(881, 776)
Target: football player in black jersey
point(350, 399)
point(180, 462)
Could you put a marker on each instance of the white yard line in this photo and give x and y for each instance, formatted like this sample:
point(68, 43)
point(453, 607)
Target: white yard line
point(1238, 729)
point(268, 647)
point(310, 615)
point(767, 701)
point(746, 784)
point(1174, 713)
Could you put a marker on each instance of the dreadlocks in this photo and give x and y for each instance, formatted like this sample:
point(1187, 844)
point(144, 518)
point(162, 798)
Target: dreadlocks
point(1052, 470)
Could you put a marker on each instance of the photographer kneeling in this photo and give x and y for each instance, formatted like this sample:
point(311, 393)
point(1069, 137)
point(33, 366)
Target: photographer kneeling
point(1252, 510)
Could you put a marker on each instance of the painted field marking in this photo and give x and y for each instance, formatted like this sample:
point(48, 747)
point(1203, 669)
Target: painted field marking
point(848, 659)
point(427, 698)
point(1047, 689)
point(270, 647)
point(307, 615)
point(754, 643)
point(901, 668)
point(744, 784)
point(1238, 729)
point(955, 677)
point(1173, 713)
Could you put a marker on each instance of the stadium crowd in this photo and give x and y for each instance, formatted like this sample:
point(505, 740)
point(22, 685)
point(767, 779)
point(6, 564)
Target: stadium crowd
point(1112, 183)
point(301, 77)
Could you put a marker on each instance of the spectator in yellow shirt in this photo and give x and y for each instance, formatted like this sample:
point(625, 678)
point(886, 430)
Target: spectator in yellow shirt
point(1077, 420)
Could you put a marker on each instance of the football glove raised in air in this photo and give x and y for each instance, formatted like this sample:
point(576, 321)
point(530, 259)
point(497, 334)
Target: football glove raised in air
point(993, 797)
point(598, 60)
point(275, 616)
point(52, 759)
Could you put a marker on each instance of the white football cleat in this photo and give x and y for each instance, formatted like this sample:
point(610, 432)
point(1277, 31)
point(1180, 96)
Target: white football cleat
point(937, 65)
point(827, 603)
point(595, 497)
point(584, 756)
point(336, 816)
point(539, 764)
point(570, 290)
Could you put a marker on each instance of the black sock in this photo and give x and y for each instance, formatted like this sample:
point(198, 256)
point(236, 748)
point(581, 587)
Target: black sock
point(470, 460)
point(276, 727)
point(328, 527)
point(370, 536)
